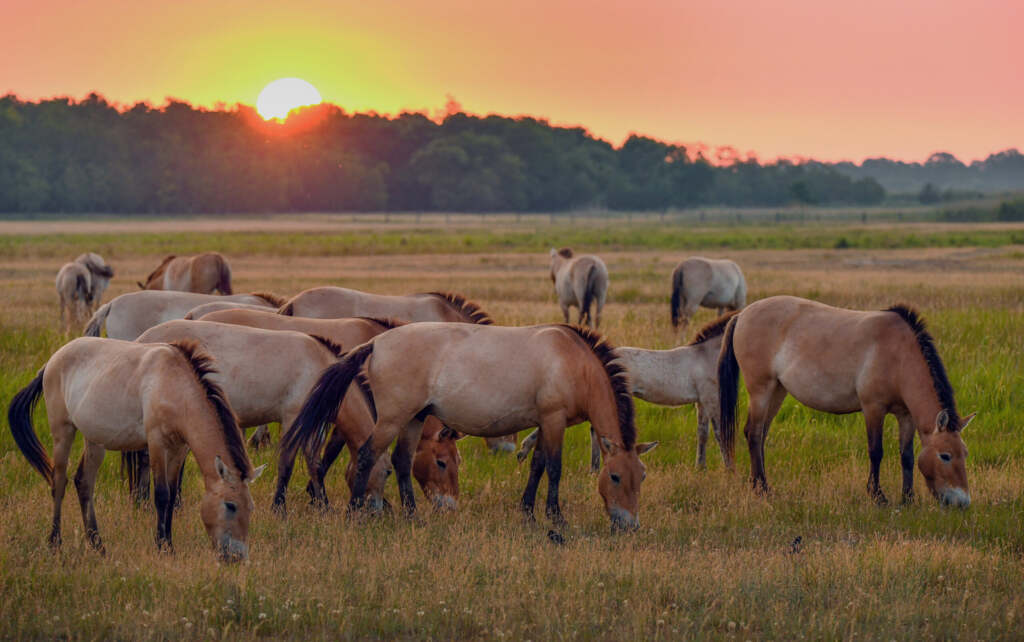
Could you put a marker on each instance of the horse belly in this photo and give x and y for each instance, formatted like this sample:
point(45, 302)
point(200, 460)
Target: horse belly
point(821, 389)
point(116, 423)
point(486, 417)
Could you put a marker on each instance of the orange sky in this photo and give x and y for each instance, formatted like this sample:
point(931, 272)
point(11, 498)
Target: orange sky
point(900, 78)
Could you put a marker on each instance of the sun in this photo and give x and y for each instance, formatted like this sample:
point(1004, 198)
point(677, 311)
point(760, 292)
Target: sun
point(285, 94)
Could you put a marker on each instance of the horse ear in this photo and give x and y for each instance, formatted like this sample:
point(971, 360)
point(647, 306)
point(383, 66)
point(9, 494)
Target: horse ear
point(222, 470)
point(449, 433)
point(942, 421)
point(966, 420)
point(645, 448)
point(608, 447)
point(139, 283)
point(255, 473)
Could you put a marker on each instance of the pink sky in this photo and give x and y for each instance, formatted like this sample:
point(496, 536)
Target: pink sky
point(793, 77)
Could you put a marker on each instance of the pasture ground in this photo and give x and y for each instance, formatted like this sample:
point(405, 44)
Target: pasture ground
point(710, 560)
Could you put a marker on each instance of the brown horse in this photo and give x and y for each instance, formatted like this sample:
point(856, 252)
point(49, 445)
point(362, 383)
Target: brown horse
point(844, 361)
point(126, 396)
point(489, 381)
point(337, 303)
point(202, 273)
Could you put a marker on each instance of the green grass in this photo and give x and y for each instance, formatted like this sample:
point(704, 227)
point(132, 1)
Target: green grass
point(711, 560)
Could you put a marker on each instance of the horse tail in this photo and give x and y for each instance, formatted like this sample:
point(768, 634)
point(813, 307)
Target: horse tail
point(589, 291)
point(677, 295)
point(97, 320)
point(19, 416)
point(81, 287)
point(728, 391)
point(131, 467)
point(224, 278)
point(321, 407)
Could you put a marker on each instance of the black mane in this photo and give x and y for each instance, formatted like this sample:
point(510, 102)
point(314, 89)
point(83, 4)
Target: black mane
point(618, 377)
point(468, 308)
point(202, 366)
point(712, 329)
point(331, 346)
point(940, 381)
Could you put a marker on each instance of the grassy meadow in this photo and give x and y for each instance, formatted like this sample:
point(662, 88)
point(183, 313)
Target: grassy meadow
point(711, 559)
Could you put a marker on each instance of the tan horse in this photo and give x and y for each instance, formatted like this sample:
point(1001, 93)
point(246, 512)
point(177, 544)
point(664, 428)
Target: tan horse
point(201, 311)
point(579, 281)
point(337, 303)
point(74, 282)
point(437, 459)
point(710, 283)
point(126, 396)
point(844, 361)
point(101, 274)
point(129, 315)
point(687, 374)
point(202, 273)
point(489, 381)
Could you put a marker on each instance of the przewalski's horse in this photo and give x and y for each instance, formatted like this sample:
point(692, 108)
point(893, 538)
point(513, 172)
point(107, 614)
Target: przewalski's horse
point(844, 361)
point(336, 303)
point(579, 281)
point(687, 374)
point(202, 273)
point(74, 283)
point(101, 274)
point(488, 381)
point(710, 283)
point(131, 314)
point(201, 311)
point(126, 396)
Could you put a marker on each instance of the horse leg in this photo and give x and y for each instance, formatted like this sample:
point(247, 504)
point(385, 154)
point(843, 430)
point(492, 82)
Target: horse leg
point(765, 401)
point(166, 465)
point(551, 436)
point(874, 417)
point(702, 437)
point(63, 432)
point(261, 437)
point(907, 431)
point(384, 432)
point(401, 460)
point(139, 489)
point(85, 482)
point(537, 466)
point(595, 452)
point(565, 311)
point(285, 463)
point(709, 405)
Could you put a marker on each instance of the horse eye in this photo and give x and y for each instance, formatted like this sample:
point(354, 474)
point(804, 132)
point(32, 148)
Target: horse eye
point(946, 457)
point(441, 464)
point(230, 507)
point(615, 478)
point(387, 473)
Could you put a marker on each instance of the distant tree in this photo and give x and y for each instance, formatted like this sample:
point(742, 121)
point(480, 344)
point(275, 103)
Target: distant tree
point(929, 194)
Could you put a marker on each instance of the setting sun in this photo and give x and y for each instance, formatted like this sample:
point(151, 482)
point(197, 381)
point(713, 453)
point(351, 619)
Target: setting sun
point(285, 94)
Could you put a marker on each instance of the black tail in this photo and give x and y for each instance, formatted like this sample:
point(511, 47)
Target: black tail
point(728, 391)
point(677, 295)
point(224, 279)
point(133, 463)
point(19, 416)
point(321, 407)
point(81, 287)
point(588, 293)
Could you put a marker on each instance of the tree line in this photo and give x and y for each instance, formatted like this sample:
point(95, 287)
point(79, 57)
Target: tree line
point(68, 156)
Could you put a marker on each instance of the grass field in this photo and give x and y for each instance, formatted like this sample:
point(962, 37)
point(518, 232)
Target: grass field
point(710, 560)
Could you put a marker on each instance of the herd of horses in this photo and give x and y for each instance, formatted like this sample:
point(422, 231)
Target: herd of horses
point(183, 370)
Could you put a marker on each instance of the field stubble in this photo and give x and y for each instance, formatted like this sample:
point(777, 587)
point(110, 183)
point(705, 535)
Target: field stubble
point(711, 559)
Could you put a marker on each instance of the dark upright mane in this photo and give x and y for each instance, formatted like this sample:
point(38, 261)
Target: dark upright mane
point(464, 306)
point(565, 252)
point(202, 366)
point(288, 309)
point(943, 389)
point(712, 329)
point(160, 268)
point(271, 298)
point(618, 377)
point(331, 346)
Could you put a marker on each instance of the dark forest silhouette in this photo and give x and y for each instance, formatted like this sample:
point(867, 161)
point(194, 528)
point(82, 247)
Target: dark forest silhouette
point(69, 156)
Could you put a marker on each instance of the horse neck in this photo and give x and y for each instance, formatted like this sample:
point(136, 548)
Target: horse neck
point(918, 392)
point(204, 435)
point(600, 405)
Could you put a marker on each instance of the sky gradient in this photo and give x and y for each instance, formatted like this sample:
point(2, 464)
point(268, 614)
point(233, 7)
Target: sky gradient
point(795, 78)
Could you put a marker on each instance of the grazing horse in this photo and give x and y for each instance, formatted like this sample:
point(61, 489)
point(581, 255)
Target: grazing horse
point(687, 374)
point(101, 274)
point(844, 361)
point(131, 314)
point(336, 303)
point(710, 283)
point(126, 396)
point(74, 282)
point(202, 273)
point(579, 281)
point(204, 309)
point(488, 381)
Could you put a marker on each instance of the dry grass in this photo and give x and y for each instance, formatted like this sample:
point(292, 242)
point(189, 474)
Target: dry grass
point(711, 560)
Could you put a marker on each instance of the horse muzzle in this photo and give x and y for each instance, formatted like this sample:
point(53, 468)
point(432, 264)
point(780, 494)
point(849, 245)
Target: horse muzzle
point(443, 503)
point(955, 497)
point(623, 521)
point(232, 550)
